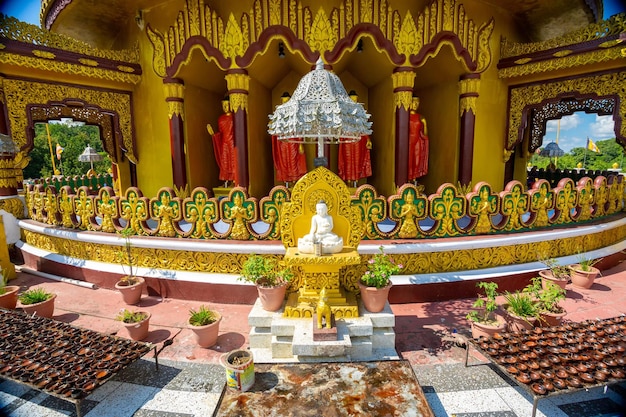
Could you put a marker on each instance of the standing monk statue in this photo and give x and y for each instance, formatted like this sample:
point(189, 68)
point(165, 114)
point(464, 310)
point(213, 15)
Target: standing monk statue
point(289, 158)
point(418, 143)
point(224, 145)
point(354, 158)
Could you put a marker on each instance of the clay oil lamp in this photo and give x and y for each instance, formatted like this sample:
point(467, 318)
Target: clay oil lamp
point(491, 351)
point(574, 382)
point(554, 349)
point(601, 375)
point(512, 369)
point(547, 375)
point(581, 367)
point(532, 355)
point(545, 363)
point(584, 356)
point(597, 356)
point(522, 367)
point(539, 350)
point(617, 373)
point(571, 369)
point(530, 343)
point(534, 376)
point(549, 385)
point(621, 361)
point(524, 378)
point(533, 365)
point(524, 348)
point(101, 374)
point(610, 362)
point(562, 373)
point(554, 359)
point(559, 383)
point(538, 388)
point(523, 357)
point(587, 377)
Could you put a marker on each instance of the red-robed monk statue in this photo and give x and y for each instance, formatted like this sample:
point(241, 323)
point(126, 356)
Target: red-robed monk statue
point(354, 158)
point(418, 143)
point(224, 145)
point(289, 158)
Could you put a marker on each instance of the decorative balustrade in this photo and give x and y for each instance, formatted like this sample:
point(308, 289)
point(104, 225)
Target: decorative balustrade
point(92, 182)
point(405, 215)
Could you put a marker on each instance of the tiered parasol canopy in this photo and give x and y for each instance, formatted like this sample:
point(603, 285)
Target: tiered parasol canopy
point(320, 111)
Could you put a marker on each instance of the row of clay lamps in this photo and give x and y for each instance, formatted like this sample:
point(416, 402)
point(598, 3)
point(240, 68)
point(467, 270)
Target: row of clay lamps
point(573, 355)
point(59, 358)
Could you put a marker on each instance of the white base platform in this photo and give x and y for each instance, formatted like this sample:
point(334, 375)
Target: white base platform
point(276, 339)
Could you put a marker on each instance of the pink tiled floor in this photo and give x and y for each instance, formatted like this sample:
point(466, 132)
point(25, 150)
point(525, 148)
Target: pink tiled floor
point(425, 332)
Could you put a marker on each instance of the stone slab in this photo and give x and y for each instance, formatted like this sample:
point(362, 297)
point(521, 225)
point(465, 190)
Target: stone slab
point(385, 318)
point(303, 343)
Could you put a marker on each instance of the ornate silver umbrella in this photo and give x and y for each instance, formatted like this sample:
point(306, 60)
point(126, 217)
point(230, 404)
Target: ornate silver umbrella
point(90, 155)
point(320, 111)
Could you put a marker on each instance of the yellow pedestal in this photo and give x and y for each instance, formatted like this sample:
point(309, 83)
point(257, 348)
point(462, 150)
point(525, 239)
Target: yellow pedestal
point(321, 272)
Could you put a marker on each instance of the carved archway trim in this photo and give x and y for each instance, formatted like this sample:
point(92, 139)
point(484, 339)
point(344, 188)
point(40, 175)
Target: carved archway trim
point(523, 99)
point(564, 106)
point(78, 111)
point(19, 94)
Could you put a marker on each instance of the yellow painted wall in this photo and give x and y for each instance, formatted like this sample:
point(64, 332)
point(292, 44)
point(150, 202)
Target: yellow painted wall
point(201, 108)
point(381, 107)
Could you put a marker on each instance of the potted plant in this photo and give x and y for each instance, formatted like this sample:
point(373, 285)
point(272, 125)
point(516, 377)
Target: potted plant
point(376, 282)
point(547, 295)
point(584, 272)
point(38, 301)
point(8, 293)
point(205, 324)
point(555, 274)
point(483, 318)
point(270, 278)
point(130, 286)
point(137, 323)
point(522, 310)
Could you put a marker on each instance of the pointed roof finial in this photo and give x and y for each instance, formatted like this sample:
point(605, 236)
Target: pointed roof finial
point(319, 65)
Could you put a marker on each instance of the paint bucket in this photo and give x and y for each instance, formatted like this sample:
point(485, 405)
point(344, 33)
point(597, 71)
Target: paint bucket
point(239, 366)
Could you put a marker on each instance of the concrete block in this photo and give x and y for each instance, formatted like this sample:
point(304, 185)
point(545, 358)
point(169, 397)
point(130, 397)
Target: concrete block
point(361, 347)
point(282, 347)
point(384, 338)
point(260, 337)
point(261, 318)
point(357, 326)
point(385, 318)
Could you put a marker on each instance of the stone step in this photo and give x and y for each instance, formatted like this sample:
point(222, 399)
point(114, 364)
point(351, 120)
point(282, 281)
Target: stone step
point(304, 345)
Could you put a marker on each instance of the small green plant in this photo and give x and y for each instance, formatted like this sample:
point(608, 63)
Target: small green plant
point(380, 268)
point(265, 272)
point(522, 304)
point(558, 271)
point(587, 263)
point(128, 316)
point(128, 258)
point(34, 296)
point(487, 305)
point(547, 299)
point(4, 281)
point(202, 316)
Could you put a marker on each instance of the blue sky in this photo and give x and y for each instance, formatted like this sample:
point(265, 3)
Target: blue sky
point(572, 132)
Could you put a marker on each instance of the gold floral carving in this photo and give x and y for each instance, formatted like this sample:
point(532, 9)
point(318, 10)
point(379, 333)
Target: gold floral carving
point(91, 62)
point(234, 43)
point(19, 93)
point(612, 26)
point(415, 263)
point(532, 95)
point(27, 33)
point(408, 42)
point(238, 100)
point(68, 68)
point(125, 68)
point(403, 79)
point(555, 64)
point(467, 103)
point(44, 54)
point(175, 107)
point(13, 206)
point(323, 36)
point(158, 55)
point(562, 53)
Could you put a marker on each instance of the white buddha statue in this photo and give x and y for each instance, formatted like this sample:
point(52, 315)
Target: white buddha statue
point(321, 232)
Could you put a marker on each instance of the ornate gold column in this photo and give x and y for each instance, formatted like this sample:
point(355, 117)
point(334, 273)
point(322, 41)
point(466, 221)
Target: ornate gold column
point(238, 83)
point(402, 79)
point(174, 96)
point(468, 92)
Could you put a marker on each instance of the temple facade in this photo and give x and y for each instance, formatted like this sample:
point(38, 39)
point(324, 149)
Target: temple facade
point(155, 77)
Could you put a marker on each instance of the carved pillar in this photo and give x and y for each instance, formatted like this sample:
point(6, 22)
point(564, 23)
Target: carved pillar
point(8, 182)
point(402, 79)
point(174, 96)
point(468, 92)
point(238, 83)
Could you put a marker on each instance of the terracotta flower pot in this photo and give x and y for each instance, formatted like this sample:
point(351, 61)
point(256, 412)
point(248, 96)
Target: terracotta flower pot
point(206, 336)
point(131, 294)
point(583, 279)
point(43, 309)
point(517, 323)
point(486, 330)
point(9, 298)
point(374, 299)
point(548, 276)
point(547, 318)
point(139, 330)
point(272, 297)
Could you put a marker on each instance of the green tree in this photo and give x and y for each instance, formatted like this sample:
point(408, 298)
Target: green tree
point(611, 152)
point(74, 140)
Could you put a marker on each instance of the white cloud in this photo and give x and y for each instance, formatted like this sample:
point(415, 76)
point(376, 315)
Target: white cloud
point(567, 123)
point(602, 128)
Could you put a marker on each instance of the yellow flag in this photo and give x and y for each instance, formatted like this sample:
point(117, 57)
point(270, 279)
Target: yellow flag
point(592, 146)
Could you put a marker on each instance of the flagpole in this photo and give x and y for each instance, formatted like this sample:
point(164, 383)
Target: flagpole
point(54, 168)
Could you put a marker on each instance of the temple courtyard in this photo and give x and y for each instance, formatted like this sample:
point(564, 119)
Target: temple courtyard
point(429, 375)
